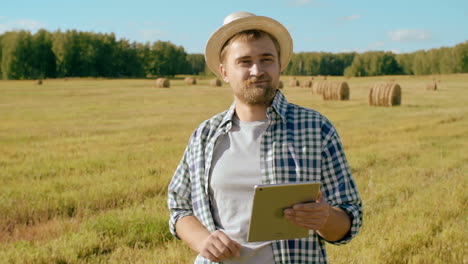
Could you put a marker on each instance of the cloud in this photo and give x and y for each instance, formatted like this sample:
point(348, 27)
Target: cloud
point(351, 17)
point(410, 35)
point(21, 24)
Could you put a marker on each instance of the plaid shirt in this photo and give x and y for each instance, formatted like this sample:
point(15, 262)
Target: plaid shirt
point(299, 145)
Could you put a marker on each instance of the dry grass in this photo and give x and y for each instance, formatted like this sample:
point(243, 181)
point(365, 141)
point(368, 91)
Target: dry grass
point(85, 163)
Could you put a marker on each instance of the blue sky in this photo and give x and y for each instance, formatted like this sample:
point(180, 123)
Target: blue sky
point(316, 25)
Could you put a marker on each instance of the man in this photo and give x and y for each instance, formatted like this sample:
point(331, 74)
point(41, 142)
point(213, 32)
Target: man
point(261, 139)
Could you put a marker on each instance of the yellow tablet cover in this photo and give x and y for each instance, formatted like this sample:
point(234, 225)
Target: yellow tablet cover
point(267, 221)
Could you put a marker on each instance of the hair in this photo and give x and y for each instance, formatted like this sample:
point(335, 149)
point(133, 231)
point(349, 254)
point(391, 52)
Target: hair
point(248, 35)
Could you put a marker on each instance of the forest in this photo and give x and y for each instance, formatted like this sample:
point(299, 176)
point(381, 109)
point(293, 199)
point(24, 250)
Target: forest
point(73, 53)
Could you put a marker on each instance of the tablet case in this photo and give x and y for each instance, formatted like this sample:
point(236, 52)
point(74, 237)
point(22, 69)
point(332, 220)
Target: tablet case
point(267, 221)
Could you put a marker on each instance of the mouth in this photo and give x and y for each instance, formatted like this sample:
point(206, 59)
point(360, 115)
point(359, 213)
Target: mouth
point(255, 82)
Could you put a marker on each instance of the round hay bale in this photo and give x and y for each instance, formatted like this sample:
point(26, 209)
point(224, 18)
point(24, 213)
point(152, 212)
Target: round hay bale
point(190, 81)
point(317, 87)
point(306, 84)
point(294, 82)
point(385, 94)
point(336, 90)
point(280, 84)
point(216, 82)
point(432, 86)
point(39, 82)
point(162, 83)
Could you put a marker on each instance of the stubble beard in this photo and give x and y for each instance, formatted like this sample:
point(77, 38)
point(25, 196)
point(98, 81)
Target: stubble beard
point(252, 94)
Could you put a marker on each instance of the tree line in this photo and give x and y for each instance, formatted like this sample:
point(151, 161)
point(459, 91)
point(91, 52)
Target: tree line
point(73, 53)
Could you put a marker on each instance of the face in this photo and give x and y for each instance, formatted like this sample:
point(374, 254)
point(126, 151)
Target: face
point(252, 68)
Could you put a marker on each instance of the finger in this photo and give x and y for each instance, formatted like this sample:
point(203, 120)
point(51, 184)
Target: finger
point(315, 226)
point(310, 215)
point(232, 246)
point(219, 251)
point(207, 253)
point(319, 196)
point(308, 223)
point(309, 207)
point(216, 247)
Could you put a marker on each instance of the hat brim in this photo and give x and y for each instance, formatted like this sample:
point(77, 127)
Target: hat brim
point(225, 32)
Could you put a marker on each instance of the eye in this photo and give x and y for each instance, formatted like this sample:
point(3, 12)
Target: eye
point(245, 62)
point(267, 59)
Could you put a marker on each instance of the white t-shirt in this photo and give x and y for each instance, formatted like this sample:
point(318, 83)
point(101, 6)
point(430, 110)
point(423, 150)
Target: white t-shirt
point(235, 170)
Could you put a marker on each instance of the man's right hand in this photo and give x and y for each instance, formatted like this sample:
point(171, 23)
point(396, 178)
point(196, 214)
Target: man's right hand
point(218, 247)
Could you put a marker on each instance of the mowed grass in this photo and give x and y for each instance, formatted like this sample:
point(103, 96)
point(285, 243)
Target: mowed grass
point(85, 164)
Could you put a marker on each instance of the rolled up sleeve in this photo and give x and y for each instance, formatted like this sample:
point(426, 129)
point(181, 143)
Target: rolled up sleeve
point(179, 194)
point(339, 186)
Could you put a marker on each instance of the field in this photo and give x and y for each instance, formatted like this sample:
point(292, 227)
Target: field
point(85, 164)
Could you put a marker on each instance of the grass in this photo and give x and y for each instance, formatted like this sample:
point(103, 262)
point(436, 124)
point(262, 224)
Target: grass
point(85, 163)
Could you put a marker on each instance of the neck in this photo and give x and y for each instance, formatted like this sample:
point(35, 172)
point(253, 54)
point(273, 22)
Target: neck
point(250, 113)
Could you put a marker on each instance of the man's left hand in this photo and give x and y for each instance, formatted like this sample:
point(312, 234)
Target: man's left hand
point(313, 215)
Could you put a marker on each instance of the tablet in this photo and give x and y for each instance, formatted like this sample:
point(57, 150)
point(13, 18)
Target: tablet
point(267, 221)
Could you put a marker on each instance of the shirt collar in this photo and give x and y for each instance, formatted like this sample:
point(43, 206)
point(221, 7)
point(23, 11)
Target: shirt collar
point(278, 108)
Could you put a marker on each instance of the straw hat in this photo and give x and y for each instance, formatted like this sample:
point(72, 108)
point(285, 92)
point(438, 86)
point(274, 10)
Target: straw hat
point(241, 21)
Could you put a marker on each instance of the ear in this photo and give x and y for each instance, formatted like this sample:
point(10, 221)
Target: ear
point(223, 72)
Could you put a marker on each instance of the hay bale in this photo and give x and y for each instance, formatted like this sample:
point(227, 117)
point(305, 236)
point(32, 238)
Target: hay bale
point(190, 81)
point(216, 82)
point(306, 84)
point(280, 84)
point(432, 86)
point(39, 82)
point(385, 94)
point(317, 87)
point(162, 83)
point(294, 82)
point(335, 90)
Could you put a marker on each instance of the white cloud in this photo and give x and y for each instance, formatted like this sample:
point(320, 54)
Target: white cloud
point(351, 17)
point(21, 24)
point(409, 35)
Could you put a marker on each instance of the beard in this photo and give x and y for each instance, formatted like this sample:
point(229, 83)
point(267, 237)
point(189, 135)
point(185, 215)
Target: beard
point(257, 94)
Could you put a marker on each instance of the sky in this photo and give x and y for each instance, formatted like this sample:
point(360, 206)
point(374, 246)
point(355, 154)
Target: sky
point(400, 26)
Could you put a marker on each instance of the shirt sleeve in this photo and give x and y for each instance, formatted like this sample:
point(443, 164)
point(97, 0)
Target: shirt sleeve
point(179, 193)
point(338, 183)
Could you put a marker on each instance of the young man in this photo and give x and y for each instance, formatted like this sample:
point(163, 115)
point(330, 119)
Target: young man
point(261, 139)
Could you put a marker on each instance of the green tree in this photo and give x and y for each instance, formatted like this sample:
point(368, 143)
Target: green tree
point(43, 58)
point(16, 55)
point(195, 63)
point(167, 59)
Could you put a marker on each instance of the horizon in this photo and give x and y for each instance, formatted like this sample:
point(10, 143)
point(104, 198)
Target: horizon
point(361, 26)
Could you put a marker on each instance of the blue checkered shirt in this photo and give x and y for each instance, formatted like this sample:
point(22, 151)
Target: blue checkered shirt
point(299, 145)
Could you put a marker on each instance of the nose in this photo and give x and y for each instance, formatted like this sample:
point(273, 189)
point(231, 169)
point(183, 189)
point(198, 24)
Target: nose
point(256, 69)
